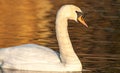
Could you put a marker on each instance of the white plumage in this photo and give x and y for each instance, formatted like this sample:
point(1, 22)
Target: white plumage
point(39, 58)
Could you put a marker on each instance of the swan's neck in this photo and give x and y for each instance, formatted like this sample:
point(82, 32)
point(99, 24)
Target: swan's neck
point(67, 53)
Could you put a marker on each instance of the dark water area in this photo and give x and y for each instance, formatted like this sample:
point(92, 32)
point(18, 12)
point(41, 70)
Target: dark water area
point(33, 21)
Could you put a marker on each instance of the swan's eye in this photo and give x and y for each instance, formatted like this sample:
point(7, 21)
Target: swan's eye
point(79, 13)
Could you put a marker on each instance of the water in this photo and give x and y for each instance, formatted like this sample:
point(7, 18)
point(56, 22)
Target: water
point(32, 21)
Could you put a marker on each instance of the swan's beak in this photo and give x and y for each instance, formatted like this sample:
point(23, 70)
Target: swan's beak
point(80, 19)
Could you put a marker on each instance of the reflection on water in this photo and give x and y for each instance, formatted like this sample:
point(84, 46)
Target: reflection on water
point(32, 21)
point(24, 23)
point(20, 71)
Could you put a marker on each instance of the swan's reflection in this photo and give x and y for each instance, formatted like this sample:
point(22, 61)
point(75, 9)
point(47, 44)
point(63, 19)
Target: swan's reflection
point(23, 71)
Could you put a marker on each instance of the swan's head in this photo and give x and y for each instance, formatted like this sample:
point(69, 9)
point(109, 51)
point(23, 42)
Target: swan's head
point(72, 12)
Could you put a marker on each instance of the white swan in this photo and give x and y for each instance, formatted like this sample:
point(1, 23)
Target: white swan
point(39, 58)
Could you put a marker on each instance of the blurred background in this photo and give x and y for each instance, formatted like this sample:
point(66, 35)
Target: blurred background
point(33, 21)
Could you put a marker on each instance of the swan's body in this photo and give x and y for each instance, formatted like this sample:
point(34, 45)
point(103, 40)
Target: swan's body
point(39, 58)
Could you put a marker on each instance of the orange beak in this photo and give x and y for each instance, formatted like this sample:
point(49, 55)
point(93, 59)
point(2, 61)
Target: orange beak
point(80, 19)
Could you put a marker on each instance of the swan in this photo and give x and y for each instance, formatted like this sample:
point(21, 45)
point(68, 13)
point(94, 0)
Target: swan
point(39, 58)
